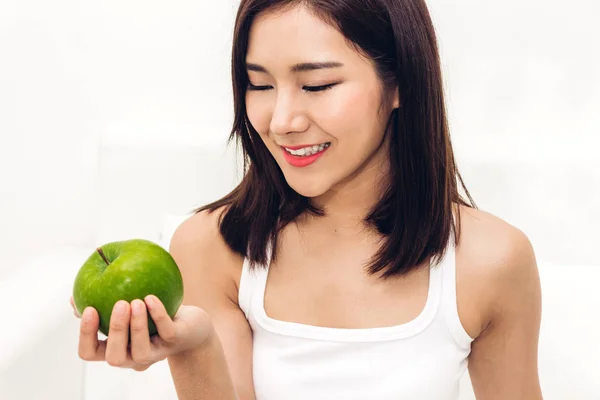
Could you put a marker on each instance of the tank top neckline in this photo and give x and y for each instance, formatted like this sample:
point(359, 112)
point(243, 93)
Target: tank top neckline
point(394, 332)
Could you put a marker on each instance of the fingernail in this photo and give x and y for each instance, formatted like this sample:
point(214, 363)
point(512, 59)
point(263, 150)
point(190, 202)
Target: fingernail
point(150, 301)
point(120, 307)
point(87, 315)
point(136, 308)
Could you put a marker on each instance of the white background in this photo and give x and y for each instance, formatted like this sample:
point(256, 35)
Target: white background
point(100, 102)
point(522, 78)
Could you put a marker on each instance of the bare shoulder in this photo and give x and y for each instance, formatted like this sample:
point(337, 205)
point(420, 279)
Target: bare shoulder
point(493, 242)
point(203, 255)
point(500, 285)
point(495, 260)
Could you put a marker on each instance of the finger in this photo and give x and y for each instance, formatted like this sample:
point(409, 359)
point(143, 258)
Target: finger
point(74, 308)
point(140, 367)
point(140, 338)
point(162, 320)
point(90, 349)
point(118, 335)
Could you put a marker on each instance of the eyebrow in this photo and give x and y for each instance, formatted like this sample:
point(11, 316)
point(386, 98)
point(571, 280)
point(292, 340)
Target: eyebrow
point(302, 67)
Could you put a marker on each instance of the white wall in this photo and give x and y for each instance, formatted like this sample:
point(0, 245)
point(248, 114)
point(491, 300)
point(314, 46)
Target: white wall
point(95, 92)
point(521, 67)
point(516, 71)
point(70, 71)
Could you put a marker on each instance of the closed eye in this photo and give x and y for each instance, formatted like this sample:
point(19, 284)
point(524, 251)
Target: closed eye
point(258, 88)
point(311, 89)
point(319, 88)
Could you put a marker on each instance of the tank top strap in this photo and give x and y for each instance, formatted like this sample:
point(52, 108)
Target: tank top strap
point(251, 281)
point(449, 298)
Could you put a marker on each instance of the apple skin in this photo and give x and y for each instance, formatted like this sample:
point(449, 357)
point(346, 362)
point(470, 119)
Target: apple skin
point(136, 268)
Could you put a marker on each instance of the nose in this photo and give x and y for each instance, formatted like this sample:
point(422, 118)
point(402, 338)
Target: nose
point(288, 116)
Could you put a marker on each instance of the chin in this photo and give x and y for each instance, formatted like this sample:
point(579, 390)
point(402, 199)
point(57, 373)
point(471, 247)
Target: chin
point(307, 188)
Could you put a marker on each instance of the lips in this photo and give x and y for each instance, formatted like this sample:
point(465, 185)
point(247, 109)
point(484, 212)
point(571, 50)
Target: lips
point(301, 161)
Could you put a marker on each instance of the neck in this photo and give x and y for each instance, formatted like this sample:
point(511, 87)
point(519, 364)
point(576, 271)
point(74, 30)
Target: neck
point(348, 203)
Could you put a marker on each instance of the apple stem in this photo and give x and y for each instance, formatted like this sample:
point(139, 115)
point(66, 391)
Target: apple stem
point(103, 256)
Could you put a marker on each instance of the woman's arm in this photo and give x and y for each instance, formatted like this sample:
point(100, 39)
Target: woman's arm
point(504, 359)
point(203, 373)
point(222, 369)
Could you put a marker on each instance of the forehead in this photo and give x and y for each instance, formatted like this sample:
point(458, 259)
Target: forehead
point(294, 35)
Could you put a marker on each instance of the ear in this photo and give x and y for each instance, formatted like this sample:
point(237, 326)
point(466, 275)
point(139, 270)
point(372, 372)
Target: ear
point(396, 103)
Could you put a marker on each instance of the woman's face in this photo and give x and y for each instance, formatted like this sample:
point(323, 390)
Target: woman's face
point(323, 124)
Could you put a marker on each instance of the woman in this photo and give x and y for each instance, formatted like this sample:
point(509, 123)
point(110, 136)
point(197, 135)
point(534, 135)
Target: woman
point(346, 265)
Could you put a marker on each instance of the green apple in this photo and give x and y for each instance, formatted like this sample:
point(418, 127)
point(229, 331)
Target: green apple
point(127, 270)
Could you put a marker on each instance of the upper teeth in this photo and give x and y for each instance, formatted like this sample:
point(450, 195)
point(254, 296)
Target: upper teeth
point(307, 151)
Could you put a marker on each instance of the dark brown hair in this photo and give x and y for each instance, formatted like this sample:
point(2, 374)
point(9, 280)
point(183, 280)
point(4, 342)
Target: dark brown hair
point(414, 213)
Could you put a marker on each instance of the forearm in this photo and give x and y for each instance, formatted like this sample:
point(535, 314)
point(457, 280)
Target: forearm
point(203, 374)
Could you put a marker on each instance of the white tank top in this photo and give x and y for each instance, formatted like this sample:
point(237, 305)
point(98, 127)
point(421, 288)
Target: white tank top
point(423, 359)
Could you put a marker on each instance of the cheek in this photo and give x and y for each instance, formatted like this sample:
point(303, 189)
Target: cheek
point(258, 113)
point(350, 114)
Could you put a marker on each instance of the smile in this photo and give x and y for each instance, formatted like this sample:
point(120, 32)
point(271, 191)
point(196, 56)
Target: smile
point(307, 151)
point(303, 156)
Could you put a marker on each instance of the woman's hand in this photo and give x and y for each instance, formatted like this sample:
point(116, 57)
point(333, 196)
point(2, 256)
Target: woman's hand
point(188, 330)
